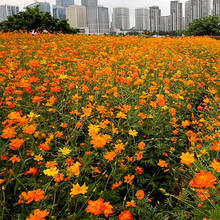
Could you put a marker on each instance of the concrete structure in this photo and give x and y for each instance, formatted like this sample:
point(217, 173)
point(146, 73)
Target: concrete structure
point(59, 12)
point(216, 7)
point(155, 14)
point(121, 18)
point(188, 13)
point(76, 16)
point(89, 2)
point(44, 6)
point(166, 23)
point(176, 15)
point(196, 9)
point(7, 10)
point(205, 8)
point(103, 18)
point(92, 19)
point(142, 19)
point(65, 3)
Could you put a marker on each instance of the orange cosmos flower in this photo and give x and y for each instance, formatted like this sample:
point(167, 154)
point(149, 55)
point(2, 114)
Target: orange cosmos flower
point(140, 194)
point(110, 156)
point(203, 194)
point(29, 129)
point(35, 195)
point(203, 179)
point(15, 143)
point(185, 123)
point(15, 159)
point(96, 207)
point(160, 101)
point(116, 185)
point(187, 158)
point(44, 146)
point(128, 179)
point(162, 163)
point(216, 146)
point(8, 133)
point(98, 141)
point(216, 165)
point(38, 215)
point(141, 145)
point(131, 204)
point(121, 115)
point(74, 169)
point(172, 111)
point(77, 189)
point(119, 147)
point(37, 99)
point(125, 215)
point(139, 170)
point(32, 171)
point(59, 177)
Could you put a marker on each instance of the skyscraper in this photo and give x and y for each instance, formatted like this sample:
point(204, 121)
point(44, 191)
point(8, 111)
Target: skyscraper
point(121, 18)
point(59, 12)
point(216, 7)
point(76, 16)
point(176, 15)
point(155, 14)
point(142, 19)
point(7, 10)
point(64, 3)
point(204, 8)
point(188, 13)
point(103, 20)
point(44, 6)
point(90, 2)
point(166, 23)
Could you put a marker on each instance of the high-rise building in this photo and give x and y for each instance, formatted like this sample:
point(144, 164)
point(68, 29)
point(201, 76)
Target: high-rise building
point(59, 12)
point(8, 10)
point(216, 7)
point(188, 13)
point(44, 6)
point(176, 15)
point(103, 20)
point(121, 18)
point(155, 14)
point(89, 2)
point(166, 23)
point(76, 16)
point(196, 9)
point(142, 19)
point(205, 8)
point(65, 3)
point(92, 19)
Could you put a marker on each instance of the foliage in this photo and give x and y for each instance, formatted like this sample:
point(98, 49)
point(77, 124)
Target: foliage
point(102, 127)
point(205, 26)
point(35, 19)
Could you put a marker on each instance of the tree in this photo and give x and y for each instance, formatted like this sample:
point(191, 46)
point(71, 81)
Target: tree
point(35, 19)
point(205, 26)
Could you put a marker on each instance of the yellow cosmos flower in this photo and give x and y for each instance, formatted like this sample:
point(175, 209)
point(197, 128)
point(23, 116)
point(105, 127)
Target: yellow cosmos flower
point(51, 171)
point(77, 189)
point(38, 157)
point(133, 132)
point(65, 150)
point(187, 158)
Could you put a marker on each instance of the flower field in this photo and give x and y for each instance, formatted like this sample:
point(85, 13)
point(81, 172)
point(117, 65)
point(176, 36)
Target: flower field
point(108, 127)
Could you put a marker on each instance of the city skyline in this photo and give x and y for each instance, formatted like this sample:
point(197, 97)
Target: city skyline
point(164, 5)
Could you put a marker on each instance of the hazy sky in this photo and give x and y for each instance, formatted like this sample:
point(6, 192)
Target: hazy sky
point(132, 4)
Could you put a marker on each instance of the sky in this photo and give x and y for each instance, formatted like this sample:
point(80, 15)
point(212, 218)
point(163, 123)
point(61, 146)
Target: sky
point(132, 4)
